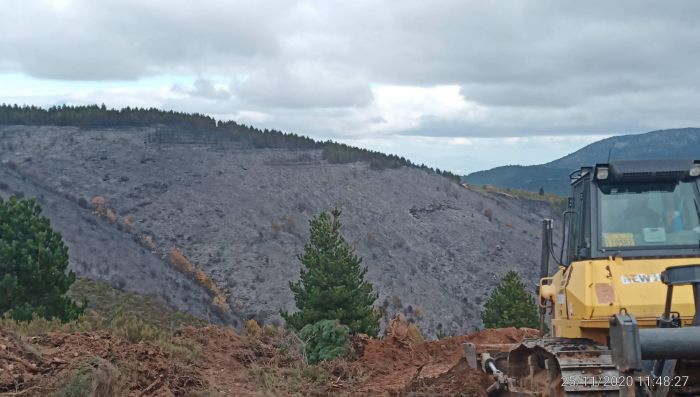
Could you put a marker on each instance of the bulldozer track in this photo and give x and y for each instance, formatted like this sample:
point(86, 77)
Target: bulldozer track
point(563, 367)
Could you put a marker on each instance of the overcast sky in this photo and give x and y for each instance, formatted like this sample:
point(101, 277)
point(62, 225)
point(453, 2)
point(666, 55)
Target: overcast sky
point(461, 85)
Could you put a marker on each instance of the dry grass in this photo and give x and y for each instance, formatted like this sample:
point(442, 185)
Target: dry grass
point(40, 325)
point(106, 379)
point(491, 191)
point(109, 302)
point(129, 316)
point(125, 326)
point(336, 378)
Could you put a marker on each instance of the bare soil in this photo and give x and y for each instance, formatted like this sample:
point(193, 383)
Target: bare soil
point(224, 363)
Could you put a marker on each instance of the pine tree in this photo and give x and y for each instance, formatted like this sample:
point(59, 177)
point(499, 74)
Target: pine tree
point(510, 305)
point(33, 262)
point(331, 284)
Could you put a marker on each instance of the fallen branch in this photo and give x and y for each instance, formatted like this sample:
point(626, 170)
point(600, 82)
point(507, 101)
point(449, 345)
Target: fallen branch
point(19, 393)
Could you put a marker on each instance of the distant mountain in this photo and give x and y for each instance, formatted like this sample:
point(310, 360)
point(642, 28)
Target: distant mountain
point(553, 176)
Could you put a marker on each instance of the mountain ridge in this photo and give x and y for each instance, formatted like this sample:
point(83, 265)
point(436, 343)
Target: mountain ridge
point(552, 177)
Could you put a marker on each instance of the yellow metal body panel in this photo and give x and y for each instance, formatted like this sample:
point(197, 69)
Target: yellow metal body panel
point(589, 292)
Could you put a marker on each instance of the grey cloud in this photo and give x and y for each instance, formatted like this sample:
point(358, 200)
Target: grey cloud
point(555, 94)
point(111, 39)
point(537, 41)
point(205, 89)
point(522, 94)
point(620, 113)
point(305, 86)
point(538, 66)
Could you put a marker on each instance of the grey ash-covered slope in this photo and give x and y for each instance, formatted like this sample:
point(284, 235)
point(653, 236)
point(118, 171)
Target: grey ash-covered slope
point(241, 215)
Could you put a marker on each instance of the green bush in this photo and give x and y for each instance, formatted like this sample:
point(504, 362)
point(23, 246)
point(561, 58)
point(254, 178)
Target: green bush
point(95, 377)
point(33, 264)
point(325, 340)
point(510, 305)
point(79, 385)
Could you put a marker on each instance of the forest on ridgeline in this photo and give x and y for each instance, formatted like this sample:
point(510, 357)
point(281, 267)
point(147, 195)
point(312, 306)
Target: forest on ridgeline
point(201, 127)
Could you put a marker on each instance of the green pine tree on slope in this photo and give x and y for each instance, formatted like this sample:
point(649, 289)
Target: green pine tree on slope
point(33, 262)
point(510, 305)
point(331, 284)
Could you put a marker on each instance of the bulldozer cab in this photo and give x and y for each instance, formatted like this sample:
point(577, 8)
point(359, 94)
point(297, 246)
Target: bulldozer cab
point(633, 209)
point(624, 302)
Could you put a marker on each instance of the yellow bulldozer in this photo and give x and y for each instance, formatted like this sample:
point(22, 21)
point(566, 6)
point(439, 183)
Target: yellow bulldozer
point(621, 309)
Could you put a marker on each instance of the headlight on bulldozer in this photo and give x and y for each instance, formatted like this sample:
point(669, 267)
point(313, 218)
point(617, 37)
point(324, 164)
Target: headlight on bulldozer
point(695, 171)
point(601, 173)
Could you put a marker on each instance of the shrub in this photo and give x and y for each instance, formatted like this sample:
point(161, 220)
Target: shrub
point(325, 340)
point(180, 262)
point(206, 282)
point(99, 203)
point(276, 227)
point(510, 305)
point(264, 376)
point(111, 215)
point(441, 334)
point(252, 328)
point(221, 305)
point(96, 378)
point(414, 334)
point(33, 264)
point(418, 312)
point(290, 224)
point(83, 203)
point(270, 330)
point(148, 240)
point(134, 329)
point(129, 221)
point(488, 213)
point(201, 278)
point(79, 385)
